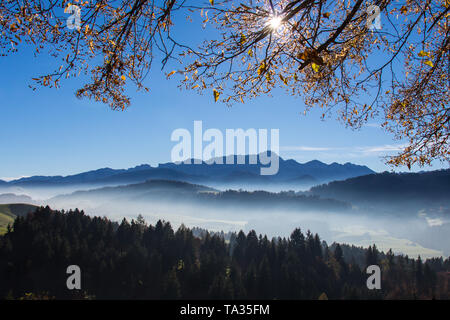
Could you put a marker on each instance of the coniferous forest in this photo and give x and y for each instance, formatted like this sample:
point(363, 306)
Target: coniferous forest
point(133, 260)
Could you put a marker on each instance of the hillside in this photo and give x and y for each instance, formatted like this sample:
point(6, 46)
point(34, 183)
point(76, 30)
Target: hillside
point(8, 212)
point(6, 198)
point(176, 192)
point(5, 220)
point(409, 189)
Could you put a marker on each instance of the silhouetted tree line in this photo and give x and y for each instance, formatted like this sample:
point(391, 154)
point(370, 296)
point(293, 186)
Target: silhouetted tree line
point(133, 260)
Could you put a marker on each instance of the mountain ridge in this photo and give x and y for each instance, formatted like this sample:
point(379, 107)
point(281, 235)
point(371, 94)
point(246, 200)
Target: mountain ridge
point(7, 198)
point(405, 188)
point(290, 172)
point(167, 191)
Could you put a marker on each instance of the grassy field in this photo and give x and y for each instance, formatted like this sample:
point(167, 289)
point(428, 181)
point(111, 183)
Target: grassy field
point(5, 219)
point(8, 212)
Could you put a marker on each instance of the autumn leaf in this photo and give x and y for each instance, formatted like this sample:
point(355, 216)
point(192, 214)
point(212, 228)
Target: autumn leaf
point(250, 52)
point(216, 95)
point(302, 56)
point(123, 78)
point(307, 54)
point(171, 73)
point(315, 67)
point(326, 15)
point(423, 54)
point(429, 63)
point(243, 39)
point(212, 2)
point(91, 46)
point(261, 68)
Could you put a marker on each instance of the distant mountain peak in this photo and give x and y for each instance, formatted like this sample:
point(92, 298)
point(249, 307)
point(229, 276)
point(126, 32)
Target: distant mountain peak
point(140, 167)
point(316, 163)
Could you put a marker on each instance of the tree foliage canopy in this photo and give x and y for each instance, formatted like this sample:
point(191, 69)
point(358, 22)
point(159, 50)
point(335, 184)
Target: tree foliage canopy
point(324, 51)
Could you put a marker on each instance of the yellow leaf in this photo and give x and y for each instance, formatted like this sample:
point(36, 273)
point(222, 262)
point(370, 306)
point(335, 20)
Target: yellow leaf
point(250, 52)
point(171, 73)
point(429, 63)
point(243, 39)
point(91, 46)
point(315, 67)
point(423, 54)
point(196, 86)
point(212, 2)
point(123, 78)
point(216, 95)
point(261, 68)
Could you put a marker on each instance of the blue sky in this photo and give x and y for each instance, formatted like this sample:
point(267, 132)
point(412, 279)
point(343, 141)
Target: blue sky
point(51, 132)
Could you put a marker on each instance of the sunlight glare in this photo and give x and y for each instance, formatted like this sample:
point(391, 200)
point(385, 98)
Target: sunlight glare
point(275, 22)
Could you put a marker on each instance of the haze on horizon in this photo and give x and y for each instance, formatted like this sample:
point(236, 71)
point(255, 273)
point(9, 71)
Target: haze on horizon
point(409, 231)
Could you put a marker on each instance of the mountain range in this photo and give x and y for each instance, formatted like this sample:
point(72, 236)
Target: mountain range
point(291, 173)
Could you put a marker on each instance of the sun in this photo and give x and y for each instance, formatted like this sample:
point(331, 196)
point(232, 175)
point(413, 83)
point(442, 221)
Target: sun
point(275, 22)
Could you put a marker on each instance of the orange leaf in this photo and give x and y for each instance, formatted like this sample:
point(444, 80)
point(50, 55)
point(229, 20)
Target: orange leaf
point(216, 95)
